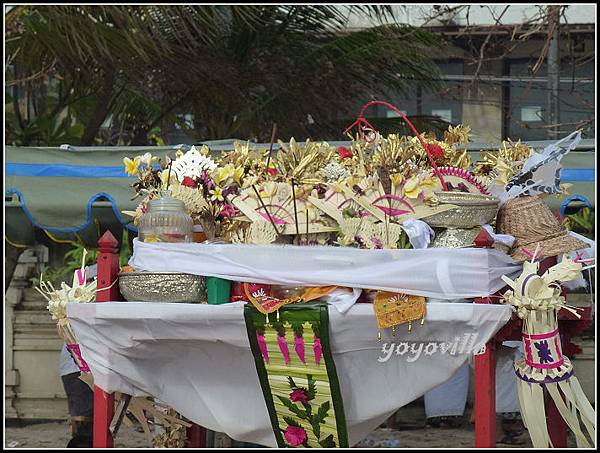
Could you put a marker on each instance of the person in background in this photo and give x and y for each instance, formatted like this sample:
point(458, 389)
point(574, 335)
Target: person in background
point(445, 404)
point(80, 399)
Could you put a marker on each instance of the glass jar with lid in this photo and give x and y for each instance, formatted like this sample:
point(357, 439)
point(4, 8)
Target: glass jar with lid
point(165, 221)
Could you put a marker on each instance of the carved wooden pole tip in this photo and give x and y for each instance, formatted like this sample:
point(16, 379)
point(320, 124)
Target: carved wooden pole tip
point(108, 243)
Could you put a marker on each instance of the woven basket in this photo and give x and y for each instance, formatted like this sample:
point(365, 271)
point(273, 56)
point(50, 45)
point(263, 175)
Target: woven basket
point(531, 222)
point(473, 210)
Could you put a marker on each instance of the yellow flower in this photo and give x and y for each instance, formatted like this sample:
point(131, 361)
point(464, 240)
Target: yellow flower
point(224, 173)
point(415, 186)
point(411, 187)
point(238, 174)
point(428, 186)
point(131, 166)
point(269, 190)
point(216, 194)
point(396, 179)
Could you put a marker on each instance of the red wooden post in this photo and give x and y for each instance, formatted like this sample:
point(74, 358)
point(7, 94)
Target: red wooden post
point(196, 437)
point(485, 395)
point(107, 290)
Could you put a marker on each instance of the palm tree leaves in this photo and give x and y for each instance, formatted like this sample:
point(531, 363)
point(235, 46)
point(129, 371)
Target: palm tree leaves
point(237, 68)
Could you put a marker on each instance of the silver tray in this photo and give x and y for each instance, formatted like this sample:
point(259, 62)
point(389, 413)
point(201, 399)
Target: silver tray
point(163, 287)
point(473, 210)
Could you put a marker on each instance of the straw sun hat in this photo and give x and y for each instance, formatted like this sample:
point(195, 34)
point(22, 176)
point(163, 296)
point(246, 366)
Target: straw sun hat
point(531, 221)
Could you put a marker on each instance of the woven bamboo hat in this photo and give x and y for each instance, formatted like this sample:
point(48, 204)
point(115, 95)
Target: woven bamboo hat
point(531, 221)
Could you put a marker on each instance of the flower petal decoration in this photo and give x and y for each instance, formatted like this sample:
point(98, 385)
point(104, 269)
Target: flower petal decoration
point(131, 166)
point(295, 435)
point(283, 347)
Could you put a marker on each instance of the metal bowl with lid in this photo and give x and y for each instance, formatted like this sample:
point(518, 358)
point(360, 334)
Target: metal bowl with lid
point(472, 210)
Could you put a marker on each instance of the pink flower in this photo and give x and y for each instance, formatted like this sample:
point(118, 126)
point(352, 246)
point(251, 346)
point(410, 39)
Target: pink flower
point(272, 171)
point(262, 345)
point(344, 152)
point(228, 210)
point(318, 349)
point(299, 395)
point(299, 348)
point(189, 182)
point(283, 347)
point(294, 435)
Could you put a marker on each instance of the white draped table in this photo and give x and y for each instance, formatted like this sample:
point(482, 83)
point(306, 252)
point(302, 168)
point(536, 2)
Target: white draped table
point(438, 273)
point(197, 359)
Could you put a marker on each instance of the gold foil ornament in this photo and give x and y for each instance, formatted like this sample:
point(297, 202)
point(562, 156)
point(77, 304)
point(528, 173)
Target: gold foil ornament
point(394, 309)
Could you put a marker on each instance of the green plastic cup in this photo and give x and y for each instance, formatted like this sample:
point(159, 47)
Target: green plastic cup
point(218, 289)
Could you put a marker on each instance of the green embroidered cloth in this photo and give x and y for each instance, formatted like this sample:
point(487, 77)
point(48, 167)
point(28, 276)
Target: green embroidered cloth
point(298, 376)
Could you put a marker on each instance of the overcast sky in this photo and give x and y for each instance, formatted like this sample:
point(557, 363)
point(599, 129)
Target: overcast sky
point(480, 14)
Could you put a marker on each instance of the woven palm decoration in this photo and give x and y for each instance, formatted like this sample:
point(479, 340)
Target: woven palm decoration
point(544, 369)
point(298, 375)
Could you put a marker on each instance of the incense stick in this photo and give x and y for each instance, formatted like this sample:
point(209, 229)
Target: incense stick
point(266, 210)
point(307, 225)
point(273, 131)
point(169, 175)
point(295, 209)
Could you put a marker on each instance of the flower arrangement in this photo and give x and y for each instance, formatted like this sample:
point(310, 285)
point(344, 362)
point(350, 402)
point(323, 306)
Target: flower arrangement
point(315, 193)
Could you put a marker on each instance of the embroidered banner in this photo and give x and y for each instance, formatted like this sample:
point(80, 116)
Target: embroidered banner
point(298, 376)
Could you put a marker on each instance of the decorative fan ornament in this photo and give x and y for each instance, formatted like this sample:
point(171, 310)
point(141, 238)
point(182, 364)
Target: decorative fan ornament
point(461, 180)
point(192, 198)
point(192, 164)
point(542, 171)
point(261, 233)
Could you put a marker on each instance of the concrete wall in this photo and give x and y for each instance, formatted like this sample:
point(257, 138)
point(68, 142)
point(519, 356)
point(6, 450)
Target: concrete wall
point(33, 387)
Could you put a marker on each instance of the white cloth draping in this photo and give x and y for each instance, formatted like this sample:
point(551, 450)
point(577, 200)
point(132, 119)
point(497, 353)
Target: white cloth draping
point(197, 359)
point(438, 273)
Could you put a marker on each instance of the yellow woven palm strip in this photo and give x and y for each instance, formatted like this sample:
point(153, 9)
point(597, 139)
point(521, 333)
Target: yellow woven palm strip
point(539, 412)
point(566, 388)
point(276, 358)
point(282, 385)
point(316, 402)
point(536, 426)
point(329, 425)
point(566, 415)
point(588, 415)
point(300, 380)
point(296, 371)
point(282, 389)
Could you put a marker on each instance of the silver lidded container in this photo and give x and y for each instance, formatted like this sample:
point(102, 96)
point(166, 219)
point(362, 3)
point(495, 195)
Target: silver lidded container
point(166, 221)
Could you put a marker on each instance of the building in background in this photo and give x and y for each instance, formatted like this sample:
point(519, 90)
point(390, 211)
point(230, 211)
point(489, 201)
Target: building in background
point(494, 65)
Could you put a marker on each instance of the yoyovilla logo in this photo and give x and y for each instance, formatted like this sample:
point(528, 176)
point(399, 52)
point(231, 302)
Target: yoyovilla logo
point(412, 351)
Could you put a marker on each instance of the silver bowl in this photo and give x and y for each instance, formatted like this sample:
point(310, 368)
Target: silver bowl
point(455, 238)
point(473, 210)
point(163, 287)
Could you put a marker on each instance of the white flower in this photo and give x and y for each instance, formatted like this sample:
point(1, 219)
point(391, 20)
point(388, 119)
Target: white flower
point(146, 159)
point(333, 172)
point(192, 164)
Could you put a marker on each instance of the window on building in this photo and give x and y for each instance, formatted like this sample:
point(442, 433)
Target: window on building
point(446, 102)
point(528, 99)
